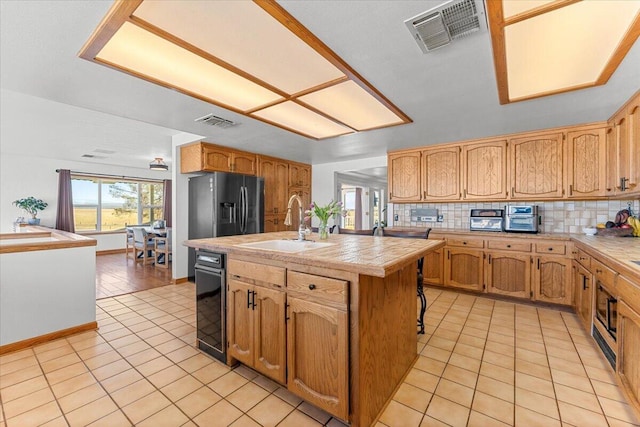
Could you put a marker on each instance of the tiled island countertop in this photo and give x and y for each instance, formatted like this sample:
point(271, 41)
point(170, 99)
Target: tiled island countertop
point(368, 255)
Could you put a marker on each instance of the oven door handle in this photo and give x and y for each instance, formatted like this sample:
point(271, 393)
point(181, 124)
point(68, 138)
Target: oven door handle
point(610, 301)
point(216, 271)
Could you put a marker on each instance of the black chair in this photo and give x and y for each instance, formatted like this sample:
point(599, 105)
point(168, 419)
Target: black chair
point(415, 234)
point(359, 232)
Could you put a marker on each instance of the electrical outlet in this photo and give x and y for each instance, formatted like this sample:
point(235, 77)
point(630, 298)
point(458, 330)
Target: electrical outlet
point(440, 218)
point(395, 217)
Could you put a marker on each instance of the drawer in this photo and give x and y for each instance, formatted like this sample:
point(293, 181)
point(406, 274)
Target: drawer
point(583, 258)
point(318, 287)
point(505, 245)
point(551, 248)
point(466, 243)
point(256, 273)
point(604, 274)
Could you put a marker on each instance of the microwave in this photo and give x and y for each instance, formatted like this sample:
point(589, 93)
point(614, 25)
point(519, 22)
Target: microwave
point(521, 218)
point(485, 220)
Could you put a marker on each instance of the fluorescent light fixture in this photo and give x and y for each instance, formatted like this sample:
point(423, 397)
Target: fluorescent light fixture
point(547, 47)
point(158, 165)
point(251, 57)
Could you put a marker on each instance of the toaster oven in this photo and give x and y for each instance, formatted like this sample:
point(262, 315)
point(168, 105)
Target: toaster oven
point(522, 218)
point(485, 220)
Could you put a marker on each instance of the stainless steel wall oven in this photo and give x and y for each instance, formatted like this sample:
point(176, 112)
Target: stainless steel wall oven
point(606, 309)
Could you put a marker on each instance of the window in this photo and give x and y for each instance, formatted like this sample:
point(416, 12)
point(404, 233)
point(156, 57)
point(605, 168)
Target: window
point(105, 204)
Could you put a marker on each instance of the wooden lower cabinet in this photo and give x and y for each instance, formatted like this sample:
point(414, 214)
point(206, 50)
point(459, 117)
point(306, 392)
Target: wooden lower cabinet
point(256, 328)
point(583, 294)
point(318, 355)
point(463, 268)
point(509, 274)
point(628, 364)
point(432, 268)
point(552, 279)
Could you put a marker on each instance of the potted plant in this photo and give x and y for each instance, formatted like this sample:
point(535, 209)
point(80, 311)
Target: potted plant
point(31, 205)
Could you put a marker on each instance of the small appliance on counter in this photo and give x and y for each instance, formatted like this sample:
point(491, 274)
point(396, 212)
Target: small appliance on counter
point(521, 218)
point(486, 220)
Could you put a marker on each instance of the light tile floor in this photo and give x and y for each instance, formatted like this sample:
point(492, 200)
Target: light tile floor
point(482, 363)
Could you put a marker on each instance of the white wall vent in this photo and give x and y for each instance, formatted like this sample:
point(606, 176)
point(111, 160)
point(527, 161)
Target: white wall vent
point(452, 20)
point(213, 120)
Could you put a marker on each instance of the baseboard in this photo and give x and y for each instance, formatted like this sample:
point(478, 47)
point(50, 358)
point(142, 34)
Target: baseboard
point(180, 280)
point(21, 345)
point(111, 251)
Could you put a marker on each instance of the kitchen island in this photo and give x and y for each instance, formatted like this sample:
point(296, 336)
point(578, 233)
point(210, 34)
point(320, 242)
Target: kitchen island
point(47, 286)
point(335, 323)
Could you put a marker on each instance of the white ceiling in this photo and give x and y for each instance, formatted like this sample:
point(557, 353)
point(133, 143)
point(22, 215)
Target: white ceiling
point(67, 106)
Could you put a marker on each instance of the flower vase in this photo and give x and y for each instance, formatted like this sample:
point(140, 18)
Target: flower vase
point(323, 231)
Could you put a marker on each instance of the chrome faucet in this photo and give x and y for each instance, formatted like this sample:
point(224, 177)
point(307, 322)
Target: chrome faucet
point(287, 219)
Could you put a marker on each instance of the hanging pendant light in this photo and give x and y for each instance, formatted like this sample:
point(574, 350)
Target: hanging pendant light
point(158, 165)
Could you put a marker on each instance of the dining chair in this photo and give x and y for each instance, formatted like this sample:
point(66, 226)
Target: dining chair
point(143, 246)
point(162, 249)
point(415, 234)
point(130, 247)
point(365, 232)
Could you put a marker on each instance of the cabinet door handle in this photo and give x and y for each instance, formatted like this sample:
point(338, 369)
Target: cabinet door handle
point(489, 258)
point(424, 194)
point(512, 191)
point(253, 300)
point(248, 298)
point(571, 189)
point(584, 283)
point(312, 287)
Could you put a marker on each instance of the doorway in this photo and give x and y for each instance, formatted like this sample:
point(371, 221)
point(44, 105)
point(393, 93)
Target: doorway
point(363, 194)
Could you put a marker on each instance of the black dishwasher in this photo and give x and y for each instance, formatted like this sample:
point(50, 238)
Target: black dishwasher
point(211, 297)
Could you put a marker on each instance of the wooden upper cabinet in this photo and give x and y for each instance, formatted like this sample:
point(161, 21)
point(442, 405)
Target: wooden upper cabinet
point(586, 163)
point(276, 177)
point(441, 173)
point(484, 170)
point(404, 177)
point(623, 150)
point(536, 166)
point(244, 163)
point(299, 175)
point(205, 157)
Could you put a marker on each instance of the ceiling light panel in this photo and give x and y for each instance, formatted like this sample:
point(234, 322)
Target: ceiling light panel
point(230, 30)
point(565, 48)
point(136, 49)
point(302, 120)
point(251, 57)
point(352, 105)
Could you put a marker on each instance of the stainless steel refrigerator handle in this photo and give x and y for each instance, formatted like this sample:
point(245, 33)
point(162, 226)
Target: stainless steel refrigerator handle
point(246, 208)
point(242, 210)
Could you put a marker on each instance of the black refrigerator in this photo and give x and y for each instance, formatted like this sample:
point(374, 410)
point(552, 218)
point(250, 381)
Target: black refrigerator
point(224, 204)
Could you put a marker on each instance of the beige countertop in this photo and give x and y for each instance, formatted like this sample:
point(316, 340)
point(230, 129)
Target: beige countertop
point(35, 238)
point(368, 255)
point(620, 251)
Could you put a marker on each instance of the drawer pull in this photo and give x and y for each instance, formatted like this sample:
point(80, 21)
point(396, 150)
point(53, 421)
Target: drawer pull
point(508, 246)
point(598, 271)
point(550, 249)
point(464, 243)
point(312, 286)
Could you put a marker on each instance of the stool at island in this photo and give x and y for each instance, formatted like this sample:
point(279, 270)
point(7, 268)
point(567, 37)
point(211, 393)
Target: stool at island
point(419, 235)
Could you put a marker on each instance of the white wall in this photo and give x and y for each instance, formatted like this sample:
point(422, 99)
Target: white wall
point(323, 179)
point(46, 291)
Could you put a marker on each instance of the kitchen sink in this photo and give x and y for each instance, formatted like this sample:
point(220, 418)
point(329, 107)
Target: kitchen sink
point(286, 245)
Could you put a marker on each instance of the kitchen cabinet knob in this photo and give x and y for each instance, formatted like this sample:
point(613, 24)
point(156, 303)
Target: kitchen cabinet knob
point(312, 286)
point(464, 243)
point(508, 246)
point(550, 249)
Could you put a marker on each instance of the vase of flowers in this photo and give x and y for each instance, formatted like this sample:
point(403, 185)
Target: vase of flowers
point(31, 205)
point(323, 213)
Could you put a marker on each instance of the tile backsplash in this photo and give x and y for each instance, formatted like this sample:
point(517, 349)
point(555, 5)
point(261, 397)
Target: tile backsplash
point(557, 217)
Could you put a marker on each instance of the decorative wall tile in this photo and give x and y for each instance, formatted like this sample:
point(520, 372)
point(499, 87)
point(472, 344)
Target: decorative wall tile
point(557, 216)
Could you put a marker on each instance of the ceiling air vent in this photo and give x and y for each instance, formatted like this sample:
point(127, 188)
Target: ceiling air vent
point(92, 156)
point(452, 20)
point(213, 120)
